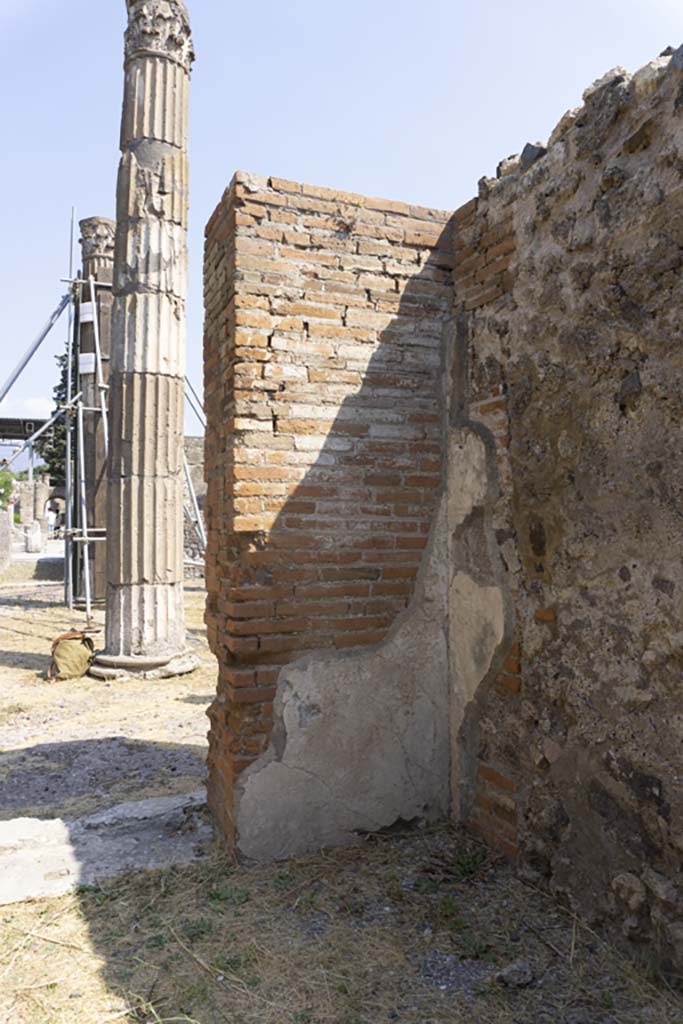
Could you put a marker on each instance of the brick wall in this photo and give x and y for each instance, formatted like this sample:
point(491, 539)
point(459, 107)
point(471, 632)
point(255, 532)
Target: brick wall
point(325, 314)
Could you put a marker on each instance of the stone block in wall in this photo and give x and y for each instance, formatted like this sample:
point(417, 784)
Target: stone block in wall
point(34, 539)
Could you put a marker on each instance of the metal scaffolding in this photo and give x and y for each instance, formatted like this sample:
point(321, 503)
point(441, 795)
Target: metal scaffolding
point(79, 535)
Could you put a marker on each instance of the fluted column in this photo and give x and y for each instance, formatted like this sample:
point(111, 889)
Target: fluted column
point(145, 624)
point(97, 260)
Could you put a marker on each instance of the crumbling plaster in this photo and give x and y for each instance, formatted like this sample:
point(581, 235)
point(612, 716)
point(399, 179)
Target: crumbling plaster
point(370, 737)
point(361, 738)
point(480, 615)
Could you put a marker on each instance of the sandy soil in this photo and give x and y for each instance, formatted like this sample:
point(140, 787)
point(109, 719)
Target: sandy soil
point(70, 748)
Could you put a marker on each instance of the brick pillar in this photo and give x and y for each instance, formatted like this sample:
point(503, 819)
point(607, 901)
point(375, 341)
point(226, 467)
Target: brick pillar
point(325, 314)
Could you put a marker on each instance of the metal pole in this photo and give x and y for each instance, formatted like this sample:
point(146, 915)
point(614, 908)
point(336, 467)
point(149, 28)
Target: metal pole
point(84, 516)
point(102, 387)
point(39, 433)
point(36, 345)
point(198, 414)
point(79, 280)
point(195, 505)
point(194, 394)
point(68, 474)
point(30, 463)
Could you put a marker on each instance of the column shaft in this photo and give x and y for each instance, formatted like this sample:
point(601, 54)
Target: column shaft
point(145, 489)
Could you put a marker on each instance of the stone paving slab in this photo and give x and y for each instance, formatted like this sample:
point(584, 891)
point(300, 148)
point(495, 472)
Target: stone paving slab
point(40, 859)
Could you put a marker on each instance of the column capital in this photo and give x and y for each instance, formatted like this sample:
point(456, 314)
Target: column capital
point(97, 238)
point(159, 28)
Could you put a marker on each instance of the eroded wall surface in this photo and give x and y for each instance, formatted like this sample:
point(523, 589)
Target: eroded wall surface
point(569, 291)
point(444, 512)
point(325, 318)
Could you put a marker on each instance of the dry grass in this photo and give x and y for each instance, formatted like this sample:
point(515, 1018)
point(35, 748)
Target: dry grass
point(410, 929)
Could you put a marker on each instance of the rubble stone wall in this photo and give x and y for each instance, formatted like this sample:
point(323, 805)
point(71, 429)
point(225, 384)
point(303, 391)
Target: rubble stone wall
point(325, 314)
point(569, 287)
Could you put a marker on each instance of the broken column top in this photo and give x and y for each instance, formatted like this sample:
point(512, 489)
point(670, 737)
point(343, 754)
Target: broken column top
point(159, 28)
point(97, 237)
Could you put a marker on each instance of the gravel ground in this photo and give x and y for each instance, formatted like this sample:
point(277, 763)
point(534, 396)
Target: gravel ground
point(72, 748)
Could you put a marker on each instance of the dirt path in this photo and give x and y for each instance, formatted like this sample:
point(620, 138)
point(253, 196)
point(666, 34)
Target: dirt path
point(68, 749)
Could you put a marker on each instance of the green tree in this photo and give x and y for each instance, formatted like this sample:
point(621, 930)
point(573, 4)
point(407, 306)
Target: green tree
point(6, 488)
point(52, 445)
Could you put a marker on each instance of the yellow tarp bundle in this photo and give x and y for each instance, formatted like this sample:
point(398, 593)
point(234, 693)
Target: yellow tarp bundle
point(72, 656)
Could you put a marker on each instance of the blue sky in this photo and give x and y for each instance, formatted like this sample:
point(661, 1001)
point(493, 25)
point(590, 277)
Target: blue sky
point(405, 100)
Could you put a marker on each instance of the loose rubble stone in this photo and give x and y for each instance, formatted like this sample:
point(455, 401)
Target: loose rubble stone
point(517, 975)
point(530, 154)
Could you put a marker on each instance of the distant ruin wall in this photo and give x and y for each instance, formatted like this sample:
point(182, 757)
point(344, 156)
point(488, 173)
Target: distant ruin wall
point(325, 315)
point(5, 539)
point(194, 554)
point(32, 501)
point(569, 287)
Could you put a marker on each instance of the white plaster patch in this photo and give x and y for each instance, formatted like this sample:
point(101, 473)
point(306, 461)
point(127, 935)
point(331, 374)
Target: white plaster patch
point(362, 738)
point(40, 859)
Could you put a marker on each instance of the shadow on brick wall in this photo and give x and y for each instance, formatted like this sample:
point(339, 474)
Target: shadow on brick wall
point(325, 450)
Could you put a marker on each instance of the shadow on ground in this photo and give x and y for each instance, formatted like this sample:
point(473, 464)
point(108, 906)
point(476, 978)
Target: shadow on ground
point(42, 569)
point(68, 780)
point(25, 660)
point(11, 598)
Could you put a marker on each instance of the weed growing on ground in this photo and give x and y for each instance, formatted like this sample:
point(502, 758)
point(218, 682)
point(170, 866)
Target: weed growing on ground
point(343, 937)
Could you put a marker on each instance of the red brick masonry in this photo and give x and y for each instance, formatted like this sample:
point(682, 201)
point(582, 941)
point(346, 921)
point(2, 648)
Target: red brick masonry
point(325, 316)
